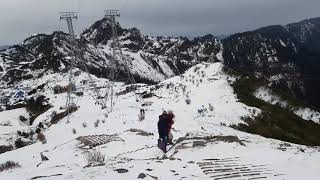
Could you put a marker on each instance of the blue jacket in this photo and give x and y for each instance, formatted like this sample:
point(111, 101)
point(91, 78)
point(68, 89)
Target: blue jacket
point(163, 125)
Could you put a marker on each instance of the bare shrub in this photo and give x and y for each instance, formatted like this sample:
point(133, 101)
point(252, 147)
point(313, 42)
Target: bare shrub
point(4, 148)
point(22, 118)
point(203, 74)
point(211, 108)
point(19, 143)
point(106, 115)
point(41, 137)
point(7, 123)
point(103, 121)
point(84, 125)
point(96, 124)
point(9, 165)
point(188, 101)
point(94, 157)
point(184, 88)
point(56, 117)
point(254, 111)
point(74, 131)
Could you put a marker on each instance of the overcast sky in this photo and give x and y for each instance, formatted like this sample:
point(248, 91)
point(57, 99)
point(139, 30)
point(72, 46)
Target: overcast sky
point(22, 18)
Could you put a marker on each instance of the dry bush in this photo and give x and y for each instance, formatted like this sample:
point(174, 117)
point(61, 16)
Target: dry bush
point(74, 131)
point(4, 148)
point(9, 165)
point(7, 123)
point(188, 101)
point(56, 117)
point(19, 143)
point(41, 137)
point(211, 108)
point(94, 157)
point(84, 125)
point(96, 124)
point(22, 118)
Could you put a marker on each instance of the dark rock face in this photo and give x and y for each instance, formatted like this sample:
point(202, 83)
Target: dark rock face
point(287, 56)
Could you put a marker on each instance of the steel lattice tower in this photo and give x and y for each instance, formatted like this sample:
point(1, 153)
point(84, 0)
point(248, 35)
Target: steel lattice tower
point(69, 16)
point(111, 16)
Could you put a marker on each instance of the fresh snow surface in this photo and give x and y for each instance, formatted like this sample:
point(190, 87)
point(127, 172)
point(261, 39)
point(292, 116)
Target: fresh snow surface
point(267, 95)
point(309, 114)
point(283, 43)
point(203, 84)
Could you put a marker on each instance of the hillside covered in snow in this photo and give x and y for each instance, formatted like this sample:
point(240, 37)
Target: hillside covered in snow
point(206, 146)
point(247, 106)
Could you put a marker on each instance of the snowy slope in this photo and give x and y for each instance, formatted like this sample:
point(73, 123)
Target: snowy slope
point(250, 156)
point(267, 95)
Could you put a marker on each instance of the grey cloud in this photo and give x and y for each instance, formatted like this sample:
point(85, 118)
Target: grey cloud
point(21, 18)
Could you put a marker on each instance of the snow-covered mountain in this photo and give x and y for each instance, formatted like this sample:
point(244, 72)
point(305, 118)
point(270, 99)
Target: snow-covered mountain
point(242, 105)
point(207, 147)
point(285, 56)
point(151, 59)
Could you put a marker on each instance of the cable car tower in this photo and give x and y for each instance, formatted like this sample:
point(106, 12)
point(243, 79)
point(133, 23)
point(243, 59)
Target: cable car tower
point(117, 57)
point(117, 62)
point(69, 16)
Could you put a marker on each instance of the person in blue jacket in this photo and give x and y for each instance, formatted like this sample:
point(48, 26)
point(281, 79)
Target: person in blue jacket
point(163, 129)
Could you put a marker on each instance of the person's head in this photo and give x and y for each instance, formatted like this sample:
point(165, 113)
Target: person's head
point(38, 130)
point(164, 113)
point(170, 112)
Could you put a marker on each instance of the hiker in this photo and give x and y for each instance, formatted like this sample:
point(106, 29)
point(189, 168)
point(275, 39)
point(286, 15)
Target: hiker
point(142, 114)
point(170, 123)
point(142, 111)
point(40, 136)
point(163, 129)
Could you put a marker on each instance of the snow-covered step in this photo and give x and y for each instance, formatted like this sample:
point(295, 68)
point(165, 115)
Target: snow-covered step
point(96, 140)
point(234, 168)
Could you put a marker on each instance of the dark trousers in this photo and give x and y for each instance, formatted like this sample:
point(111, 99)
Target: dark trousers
point(165, 140)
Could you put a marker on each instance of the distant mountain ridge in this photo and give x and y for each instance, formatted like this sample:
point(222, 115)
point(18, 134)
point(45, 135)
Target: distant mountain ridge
point(151, 59)
point(4, 47)
point(285, 56)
